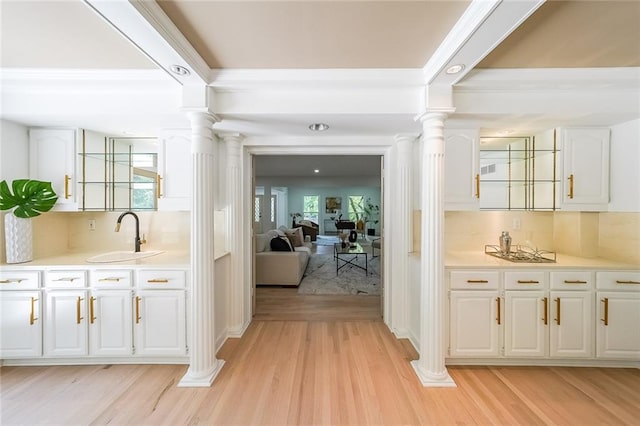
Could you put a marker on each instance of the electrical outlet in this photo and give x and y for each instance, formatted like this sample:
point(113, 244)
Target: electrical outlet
point(92, 224)
point(516, 224)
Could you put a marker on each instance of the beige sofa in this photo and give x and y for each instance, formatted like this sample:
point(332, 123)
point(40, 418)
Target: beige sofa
point(284, 268)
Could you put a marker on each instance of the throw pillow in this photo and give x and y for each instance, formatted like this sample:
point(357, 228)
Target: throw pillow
point(294, 237)
point(280, 244)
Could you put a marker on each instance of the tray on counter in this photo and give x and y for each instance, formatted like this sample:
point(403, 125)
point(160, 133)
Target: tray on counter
point(522, 254)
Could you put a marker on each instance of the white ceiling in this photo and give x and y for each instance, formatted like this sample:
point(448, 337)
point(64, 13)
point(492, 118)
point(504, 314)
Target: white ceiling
point(356, 65)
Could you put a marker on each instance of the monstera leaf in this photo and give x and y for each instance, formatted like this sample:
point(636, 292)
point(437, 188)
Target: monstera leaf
point(29, 197)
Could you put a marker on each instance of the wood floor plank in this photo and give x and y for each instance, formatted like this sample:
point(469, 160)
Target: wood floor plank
point(323, 371)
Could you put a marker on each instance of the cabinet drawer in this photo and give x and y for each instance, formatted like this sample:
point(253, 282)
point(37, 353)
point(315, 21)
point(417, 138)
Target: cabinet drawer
point(571, 280)
point(476, 280)
point(65, 279)
point(618, 280)
point(525, 280)
point(111, 278)
point(162, 279)
point(19, 280)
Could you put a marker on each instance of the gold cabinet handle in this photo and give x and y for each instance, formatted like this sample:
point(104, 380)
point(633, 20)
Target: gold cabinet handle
point(70, 279)
point(477, 186)
point(498, 319)
point(627, 282)
point(92, 318)
point(158, 280)
point(546, 310)
point(528, 282)
point(32, 316)
point(12, 280)
point(78, 310)
point(570, 179)
point(558, 310)
point(138, 317)
point(605, 320)
point(477, 281)
point(158, 186)
point(574, 282)
point(116, 279)
point(67, 194)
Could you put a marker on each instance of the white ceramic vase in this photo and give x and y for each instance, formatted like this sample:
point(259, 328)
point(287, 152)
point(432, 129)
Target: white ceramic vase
point(18, 235)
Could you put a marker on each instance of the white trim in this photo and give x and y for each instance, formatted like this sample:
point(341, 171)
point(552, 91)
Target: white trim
point(432, 382)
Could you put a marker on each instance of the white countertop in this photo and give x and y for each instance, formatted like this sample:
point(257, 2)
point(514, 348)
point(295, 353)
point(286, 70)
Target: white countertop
point(478, 259)
point(78, 259)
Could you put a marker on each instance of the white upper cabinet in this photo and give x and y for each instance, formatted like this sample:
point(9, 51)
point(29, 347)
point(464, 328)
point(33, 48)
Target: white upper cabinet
point(52, 155)
point(462, 178)
point(585, 173)
point(174, 170)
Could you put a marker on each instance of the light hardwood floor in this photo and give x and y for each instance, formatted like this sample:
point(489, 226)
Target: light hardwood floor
point(327, 369)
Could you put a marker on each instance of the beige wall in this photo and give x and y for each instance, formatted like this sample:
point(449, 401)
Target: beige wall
point(613, 236)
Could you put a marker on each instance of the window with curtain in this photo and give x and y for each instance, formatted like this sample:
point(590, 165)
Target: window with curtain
point(311, 208)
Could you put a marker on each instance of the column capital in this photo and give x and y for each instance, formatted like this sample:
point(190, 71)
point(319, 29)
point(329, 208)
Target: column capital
point(434, 114)
point(231, 137)
point(201, 117)
point(401, 137)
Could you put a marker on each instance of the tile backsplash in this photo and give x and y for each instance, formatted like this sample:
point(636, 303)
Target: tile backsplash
point(614, 236)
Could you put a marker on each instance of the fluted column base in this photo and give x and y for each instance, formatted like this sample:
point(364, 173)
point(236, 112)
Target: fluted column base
point(430, 379)
point(200, 381)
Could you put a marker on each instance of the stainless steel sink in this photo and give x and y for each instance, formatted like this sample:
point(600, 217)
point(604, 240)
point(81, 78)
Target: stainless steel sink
point(122, 256)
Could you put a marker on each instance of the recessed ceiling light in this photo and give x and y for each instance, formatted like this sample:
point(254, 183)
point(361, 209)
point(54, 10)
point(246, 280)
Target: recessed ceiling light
point(318, 127)
point(455, 69)
point(180, 70)
point(316, 171)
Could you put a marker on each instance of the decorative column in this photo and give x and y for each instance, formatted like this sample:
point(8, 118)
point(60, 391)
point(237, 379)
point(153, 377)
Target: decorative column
point(402, 232)
point(430, 367)
point(203, 364)
point(238, 318)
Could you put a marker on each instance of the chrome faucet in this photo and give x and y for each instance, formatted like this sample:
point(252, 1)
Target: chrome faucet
point(138, 240)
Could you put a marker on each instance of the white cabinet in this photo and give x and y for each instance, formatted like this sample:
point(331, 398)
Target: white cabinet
point(52, 154)
point(110, 319)
point(474, 314)
point(525, 324)
point(174, 170)
point(20, 314)
point(462, 175)
point(618, 307)
point(160, 313)
point(585, 172)
point(570, 326)
point(66, 323)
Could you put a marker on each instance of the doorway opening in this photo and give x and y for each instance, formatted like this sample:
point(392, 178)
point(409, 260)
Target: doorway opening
point(309, 198)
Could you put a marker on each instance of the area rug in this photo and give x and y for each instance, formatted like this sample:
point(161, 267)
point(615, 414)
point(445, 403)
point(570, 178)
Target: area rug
point(320, 277)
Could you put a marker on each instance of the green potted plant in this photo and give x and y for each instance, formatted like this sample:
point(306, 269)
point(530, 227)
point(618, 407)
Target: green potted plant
point(371, 212)
point(28, 198)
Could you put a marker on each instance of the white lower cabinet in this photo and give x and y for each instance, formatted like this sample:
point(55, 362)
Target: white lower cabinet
point(571, 324)
point(160, 326)
point(66, 323)
point(20, 324)
point(475, 324)
point(110, 323)
point(525, 328)
point(618, 315)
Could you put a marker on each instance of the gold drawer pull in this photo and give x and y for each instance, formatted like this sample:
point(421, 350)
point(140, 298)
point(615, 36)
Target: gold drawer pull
point(477, 186)
point(70, 279)
point(158, 280)
point(78, 311)
point(558, 311)
point(92, 317)
point(32, 316)
point(570, 179)
point(138, 317)
point(498, 319)
point(158, 186)
point(627, 282)
point(528, 282)
point(12, 280)
point(477, 281)
point(117, 279)
point(67, 194)
point(605, 320)
point(546, 310)
point(574, 282)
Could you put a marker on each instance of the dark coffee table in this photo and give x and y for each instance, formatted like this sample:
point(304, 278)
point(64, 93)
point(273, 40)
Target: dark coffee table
point(348, 255)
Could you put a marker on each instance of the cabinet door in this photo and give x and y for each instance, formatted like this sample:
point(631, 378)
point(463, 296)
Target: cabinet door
point(20, 324)
point(174, 169)
point(160, 326)
point(110, 319)
point(618, 334)
point(52, 159)
point(474, 324)
point(525, 323)
point(66, 323)
point(571, 319)
point(585, 169)
point(461, 170)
